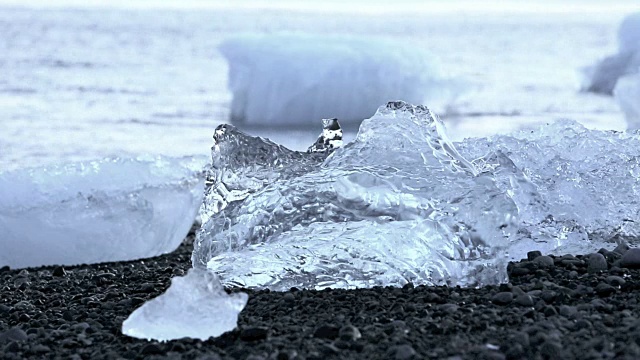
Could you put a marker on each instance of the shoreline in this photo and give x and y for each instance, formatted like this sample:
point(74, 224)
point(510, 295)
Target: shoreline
point(553, 309)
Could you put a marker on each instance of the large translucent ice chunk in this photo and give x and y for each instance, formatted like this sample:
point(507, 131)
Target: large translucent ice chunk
point(627, 93)
point(603, 76)
point(397, 205)
point(302, 78)
point(194, 306)
point(109, 210)
point(576, 189)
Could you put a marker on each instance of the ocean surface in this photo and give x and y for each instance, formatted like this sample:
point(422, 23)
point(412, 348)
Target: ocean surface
point(79, 84)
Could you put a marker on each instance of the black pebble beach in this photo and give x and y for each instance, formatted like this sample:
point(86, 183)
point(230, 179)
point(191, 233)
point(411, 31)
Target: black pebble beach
point(569, 307)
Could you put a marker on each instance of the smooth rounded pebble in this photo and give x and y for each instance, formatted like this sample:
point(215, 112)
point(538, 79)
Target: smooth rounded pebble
point(631, 259)
point(596, 263)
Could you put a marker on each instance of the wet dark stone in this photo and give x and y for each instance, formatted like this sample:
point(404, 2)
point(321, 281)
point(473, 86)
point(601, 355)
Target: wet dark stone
point(11, 347)
point(151, 349)
point(349, 333)
point(604, 289)
point(59, 271)
point(543, 261)
point(533, 254)
point(289, 298)
point(502, 298)
point(254, 333)
point(596, 263)
point(327, 332)
point(524, 300)
point(549, 310)
point(67, 315)
point(631, 259)
point(615, 280)
point(15, 334)
point(621, 248)
point(401, 352)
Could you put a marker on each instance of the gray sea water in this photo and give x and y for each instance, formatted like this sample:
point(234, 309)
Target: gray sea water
point(79, 84)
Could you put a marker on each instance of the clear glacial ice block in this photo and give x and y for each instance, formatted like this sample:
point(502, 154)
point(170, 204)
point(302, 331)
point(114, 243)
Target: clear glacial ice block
point(194, 306)
point(576, 189)
point(109, 210)
point(399, 204)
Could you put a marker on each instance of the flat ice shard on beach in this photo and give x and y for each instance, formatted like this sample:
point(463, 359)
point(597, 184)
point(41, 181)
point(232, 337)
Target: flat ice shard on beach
point(283, 79)
point(399, 204)
point(603, 76)
point(109, 210)
point(194, 306)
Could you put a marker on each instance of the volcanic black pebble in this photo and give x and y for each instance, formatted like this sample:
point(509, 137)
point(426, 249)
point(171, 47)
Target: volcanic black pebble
point(553, 307)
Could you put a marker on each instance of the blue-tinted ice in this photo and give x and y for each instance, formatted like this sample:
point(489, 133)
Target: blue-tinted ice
point(399, 204)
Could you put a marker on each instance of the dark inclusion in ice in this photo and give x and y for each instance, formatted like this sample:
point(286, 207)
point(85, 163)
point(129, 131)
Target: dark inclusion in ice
point(398, 204)
point(330, 139)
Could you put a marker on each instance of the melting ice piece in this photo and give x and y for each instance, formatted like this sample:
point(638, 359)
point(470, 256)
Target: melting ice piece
point(109, 210)
point(195, 306)
point(627, 93)
point(576, 189)
point(603, 76)
point(302, 78)
point(397, 205)
point(242, 165)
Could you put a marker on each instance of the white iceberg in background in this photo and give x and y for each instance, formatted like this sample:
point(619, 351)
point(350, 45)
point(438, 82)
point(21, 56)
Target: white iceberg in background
point(603, 76)
point(302, 78)
point(109, 210)
point(195, 306)
point(397, 205)
point(627, 93)
point(576, 189)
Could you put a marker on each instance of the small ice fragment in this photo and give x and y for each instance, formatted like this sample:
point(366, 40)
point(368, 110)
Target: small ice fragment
point(627, 93)
point(194, 306)
point(282, 79)
point(97, 211)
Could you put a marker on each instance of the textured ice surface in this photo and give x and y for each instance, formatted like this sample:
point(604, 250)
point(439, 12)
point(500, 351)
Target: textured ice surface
point(195, 306)
point(576, 189)
point(627, 93)
point(302, 78)
point(603, 76)
point(109, 210)
point(397, 205)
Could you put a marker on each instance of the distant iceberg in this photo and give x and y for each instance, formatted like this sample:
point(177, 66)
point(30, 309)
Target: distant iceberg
point(627, 93)
point(302, 78)
point(603, 76)
point(109, 210)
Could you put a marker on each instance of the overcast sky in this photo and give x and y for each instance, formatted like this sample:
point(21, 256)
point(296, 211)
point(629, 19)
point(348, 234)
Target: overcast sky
point(374, 6)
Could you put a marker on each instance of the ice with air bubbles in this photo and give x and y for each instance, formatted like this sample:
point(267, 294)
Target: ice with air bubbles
point(113, 209)
point(399, 204)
